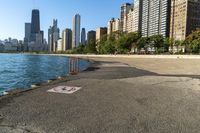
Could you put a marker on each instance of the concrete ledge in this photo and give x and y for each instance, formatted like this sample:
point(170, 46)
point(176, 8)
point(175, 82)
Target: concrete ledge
point(134, 56)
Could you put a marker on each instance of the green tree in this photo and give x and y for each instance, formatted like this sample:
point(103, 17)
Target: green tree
point(191, 42)
point(168, 42)
point(78, 50)
point(122, 45)
point(90, 47)
point(195, 46)
point(157, 41)
point(101, 44)
point(125, 43)
point(109, 47)
point(143, 42)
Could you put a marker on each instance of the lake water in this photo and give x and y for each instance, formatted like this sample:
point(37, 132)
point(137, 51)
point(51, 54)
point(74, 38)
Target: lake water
point(21, 71)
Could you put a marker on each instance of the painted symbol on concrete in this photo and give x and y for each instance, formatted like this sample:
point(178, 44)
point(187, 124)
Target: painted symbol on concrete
point(64, 89)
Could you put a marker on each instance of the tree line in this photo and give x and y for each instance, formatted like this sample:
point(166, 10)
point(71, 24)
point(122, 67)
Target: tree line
point(134, 43)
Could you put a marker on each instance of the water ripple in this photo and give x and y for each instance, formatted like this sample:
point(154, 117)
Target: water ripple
point(21, 71)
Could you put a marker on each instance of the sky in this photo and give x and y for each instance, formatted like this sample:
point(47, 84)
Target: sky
point(94, 13)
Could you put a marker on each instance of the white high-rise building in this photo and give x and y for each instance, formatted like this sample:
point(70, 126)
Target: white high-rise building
point(137, 16)
point(59, 45)
point(145, 18)
point(156, 17)
point(113, 25)
point(130, 22)
point(76, 31)
point(116, 25)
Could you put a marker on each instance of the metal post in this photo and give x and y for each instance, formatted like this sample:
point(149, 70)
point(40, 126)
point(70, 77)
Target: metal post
point(74, 66)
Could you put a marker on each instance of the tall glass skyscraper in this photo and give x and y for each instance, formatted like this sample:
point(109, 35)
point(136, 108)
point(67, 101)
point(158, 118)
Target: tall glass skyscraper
point(76, 31)
point(83, 36)
point(27, 31)
point(35, 21)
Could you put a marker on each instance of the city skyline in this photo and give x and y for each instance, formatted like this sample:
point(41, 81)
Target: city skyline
point(92, 15)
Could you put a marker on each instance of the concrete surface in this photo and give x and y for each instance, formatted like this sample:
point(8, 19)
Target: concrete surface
point(118, 95)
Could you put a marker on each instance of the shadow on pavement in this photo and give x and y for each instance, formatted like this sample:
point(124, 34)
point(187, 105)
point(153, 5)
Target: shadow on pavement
point(117, 72)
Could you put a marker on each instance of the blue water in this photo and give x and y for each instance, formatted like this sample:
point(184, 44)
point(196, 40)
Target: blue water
point(21, 71)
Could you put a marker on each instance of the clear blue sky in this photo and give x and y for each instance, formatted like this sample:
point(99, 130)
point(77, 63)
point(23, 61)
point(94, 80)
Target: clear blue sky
point(94, 13)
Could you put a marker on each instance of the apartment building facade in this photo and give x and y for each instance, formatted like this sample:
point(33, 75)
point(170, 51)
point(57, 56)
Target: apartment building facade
point(185, 18)
point(156, 17)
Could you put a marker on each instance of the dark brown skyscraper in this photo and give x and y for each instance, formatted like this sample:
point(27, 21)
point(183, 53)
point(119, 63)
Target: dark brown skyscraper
point(91, 37)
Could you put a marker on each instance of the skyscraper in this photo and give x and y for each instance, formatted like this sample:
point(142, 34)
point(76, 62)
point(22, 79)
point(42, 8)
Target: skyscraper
point(42, 34)
point(91, 36)
point(27, 30)
point(83, 36)
point(59, 46)
point(53, 36)
point(35, 24)
point(36, 39)
point(130, 22)
point(185, 17)
point(123, 16)
point(100, 33)
point(67, 39)
point(113, 25)
point(27, 37)
point(76, 31)
point(137, 19)
point(35, 21)
point(156, 17)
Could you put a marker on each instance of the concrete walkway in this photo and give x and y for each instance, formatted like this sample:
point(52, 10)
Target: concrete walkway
point(118, 95)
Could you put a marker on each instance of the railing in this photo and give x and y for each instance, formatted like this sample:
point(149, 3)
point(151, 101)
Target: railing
point(73, 66)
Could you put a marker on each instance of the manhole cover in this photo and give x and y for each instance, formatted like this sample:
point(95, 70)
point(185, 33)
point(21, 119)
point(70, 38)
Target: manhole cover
point(65, 89)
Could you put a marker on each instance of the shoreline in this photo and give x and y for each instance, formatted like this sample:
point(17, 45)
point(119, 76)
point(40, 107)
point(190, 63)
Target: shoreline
point(128, 56)
point(86, 57)
point(159, 56)
point(60, 79)
point(14, 92)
